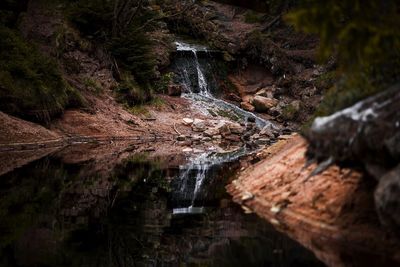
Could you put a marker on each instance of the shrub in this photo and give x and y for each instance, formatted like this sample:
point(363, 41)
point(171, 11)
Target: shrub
point(31, 85)
point(130, 93)
point(129, 45)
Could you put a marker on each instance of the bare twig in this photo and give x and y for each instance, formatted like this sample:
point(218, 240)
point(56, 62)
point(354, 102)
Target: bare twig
point(176, 130)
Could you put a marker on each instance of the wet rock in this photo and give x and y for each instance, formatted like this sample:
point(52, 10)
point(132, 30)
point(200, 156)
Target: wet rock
point(175, 90)
point(223, 128)
point(187, 121)
point(263, 104)
point(268, 131)
point(236, 128)
point(234, 97)
point(198, 125)
point(247, 106)
point(251, 120)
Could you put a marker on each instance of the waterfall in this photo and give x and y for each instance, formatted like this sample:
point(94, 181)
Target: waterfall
point(192, 76)
point(192, 176)
point(201, 79)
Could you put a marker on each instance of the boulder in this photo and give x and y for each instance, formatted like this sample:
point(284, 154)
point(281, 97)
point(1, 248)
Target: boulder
point(217, 137)
point(263, 104)
point(247, 106)
point(175, 90)
point(268, 131)
point(223, 128)
point(365, 136)
point(187, 121)
point(211, 132)
point(198, 125)
point(265, 92)
point(236, 128)
point(387, 199)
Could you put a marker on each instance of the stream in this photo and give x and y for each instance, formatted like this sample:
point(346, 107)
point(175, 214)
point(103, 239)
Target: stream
point(97, 205)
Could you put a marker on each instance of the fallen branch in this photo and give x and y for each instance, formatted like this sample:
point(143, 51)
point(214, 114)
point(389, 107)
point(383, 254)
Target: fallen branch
point(176, 130)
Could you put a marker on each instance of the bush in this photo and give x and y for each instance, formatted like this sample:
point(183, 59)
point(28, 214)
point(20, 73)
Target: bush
point(130, 93)
point(130, 46)
point(365, 39)
point(31, 85)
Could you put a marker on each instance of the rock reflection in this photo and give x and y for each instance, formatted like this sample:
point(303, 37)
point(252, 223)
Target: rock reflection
point(100, 206)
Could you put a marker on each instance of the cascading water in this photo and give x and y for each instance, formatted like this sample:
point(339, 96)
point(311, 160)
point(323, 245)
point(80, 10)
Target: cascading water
point(191, 73)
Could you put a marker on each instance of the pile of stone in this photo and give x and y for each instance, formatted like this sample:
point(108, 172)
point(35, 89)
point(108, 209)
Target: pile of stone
point(227, 131)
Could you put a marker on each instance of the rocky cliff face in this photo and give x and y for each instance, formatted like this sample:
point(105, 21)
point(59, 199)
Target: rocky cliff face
point(366, 136)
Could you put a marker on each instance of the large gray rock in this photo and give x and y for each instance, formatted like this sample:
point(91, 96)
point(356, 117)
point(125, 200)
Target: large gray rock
point(387, 199)
point(366, 136)
point(198, 125)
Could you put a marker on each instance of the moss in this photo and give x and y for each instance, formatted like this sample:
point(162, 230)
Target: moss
point(228, 115)
point(289, 112)
point(31, 85)
point(326, 80)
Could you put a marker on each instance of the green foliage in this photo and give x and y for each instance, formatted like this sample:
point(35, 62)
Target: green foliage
point(31, 85)
point(162, 84)
point(326, 80)
point(363, 33)
point(130, 93)
point(129, 45)
point(289, 112)
point(92, 85)
point(133, 51)
point(345, 93)
point(365, 38)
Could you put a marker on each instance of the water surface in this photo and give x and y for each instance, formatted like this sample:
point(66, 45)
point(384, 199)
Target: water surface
point(89, 206)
